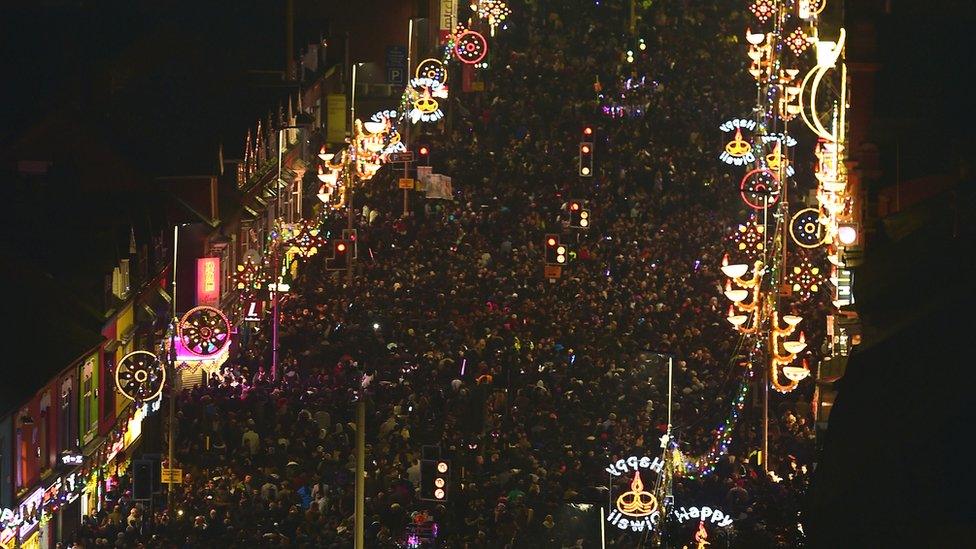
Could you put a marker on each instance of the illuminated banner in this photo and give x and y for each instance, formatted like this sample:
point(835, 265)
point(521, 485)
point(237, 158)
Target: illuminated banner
point(335, 115)
point(208, 281)
point(448, 18)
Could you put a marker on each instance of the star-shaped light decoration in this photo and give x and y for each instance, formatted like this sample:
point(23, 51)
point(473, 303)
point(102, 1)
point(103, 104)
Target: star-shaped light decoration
point(805, 279)
point(749, 238)
point(307, 241)
point(249, 277)
point(798, 41)
point(762, 9)
point(495, 11)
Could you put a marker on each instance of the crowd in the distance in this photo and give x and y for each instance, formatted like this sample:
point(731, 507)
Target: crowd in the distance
point(529, 386)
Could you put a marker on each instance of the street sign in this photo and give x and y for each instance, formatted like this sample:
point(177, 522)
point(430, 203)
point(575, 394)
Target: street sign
point(405, 156)
point(553, 271)
point(171, 476)
point(253, 310)
point(406, 183)
point(396, 65)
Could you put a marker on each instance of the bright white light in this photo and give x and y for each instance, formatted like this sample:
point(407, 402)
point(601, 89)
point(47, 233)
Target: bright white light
point(376, 326)
point(847, 235)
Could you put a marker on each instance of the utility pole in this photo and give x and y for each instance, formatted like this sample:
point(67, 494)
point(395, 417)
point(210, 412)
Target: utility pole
point(406, 192)
point(289, 40)
point(171, 428)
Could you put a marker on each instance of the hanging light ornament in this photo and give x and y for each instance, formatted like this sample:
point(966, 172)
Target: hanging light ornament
point(749, 237)
point(805, 279)
point(798, 41)
point(762, 9)
point(495, 11)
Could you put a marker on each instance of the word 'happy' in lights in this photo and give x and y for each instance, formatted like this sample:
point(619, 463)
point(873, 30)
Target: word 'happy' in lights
point(422, 93)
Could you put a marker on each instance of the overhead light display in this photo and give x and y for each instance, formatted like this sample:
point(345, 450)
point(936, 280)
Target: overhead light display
point(422, 96)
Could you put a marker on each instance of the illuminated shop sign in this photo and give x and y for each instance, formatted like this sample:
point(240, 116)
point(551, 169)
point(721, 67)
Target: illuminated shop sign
point(208, 281)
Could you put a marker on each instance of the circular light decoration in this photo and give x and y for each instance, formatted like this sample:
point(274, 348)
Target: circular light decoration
point(759, 188)
point(762, 9)
point(805, 279)
point(806, 229)
point(204, 331)
point(433, 69)
point(749, 239)
point(470, 47)
point(797, 41)
point(421, 93)
point(140, 376)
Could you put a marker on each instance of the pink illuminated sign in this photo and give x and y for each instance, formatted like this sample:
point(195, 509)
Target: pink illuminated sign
point(208, 281)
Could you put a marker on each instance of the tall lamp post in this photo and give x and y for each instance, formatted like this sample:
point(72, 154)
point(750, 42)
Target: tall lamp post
point(274, 260)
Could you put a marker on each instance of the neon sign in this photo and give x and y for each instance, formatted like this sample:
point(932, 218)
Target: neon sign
point(208, 281)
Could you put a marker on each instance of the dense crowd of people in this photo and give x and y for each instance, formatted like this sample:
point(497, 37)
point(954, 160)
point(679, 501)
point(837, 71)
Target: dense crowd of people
point(529, 386)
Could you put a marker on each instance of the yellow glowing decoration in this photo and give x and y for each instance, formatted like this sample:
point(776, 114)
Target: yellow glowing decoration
point(738, 147)
point(636, 502)
point(777, 336)
point(701, 536)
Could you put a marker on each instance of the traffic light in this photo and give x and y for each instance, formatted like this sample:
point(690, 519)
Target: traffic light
point(435, 479)
point(349, 235)
point(587, 133)
point(555, 250)
point(586, 159)
point(423, 152)
point(579, 215)
point(340, 255)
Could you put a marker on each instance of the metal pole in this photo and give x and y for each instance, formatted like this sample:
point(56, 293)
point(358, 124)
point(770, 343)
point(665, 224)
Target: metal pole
point(360, 470)
point(171, 428)
point(406, 192)
point(603, 533)
point(350, 168)
point(670, 390)
point(276, 277)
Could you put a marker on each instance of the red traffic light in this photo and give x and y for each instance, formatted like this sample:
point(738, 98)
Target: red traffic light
point(424, 151)
point(585, 148)
point(551, 241)
point(587, 130)
point(341, 247)
point(574, 206)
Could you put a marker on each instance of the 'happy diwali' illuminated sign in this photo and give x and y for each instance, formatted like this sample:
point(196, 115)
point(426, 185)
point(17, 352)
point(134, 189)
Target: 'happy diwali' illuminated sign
point(636, 508)
point(737, 152)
